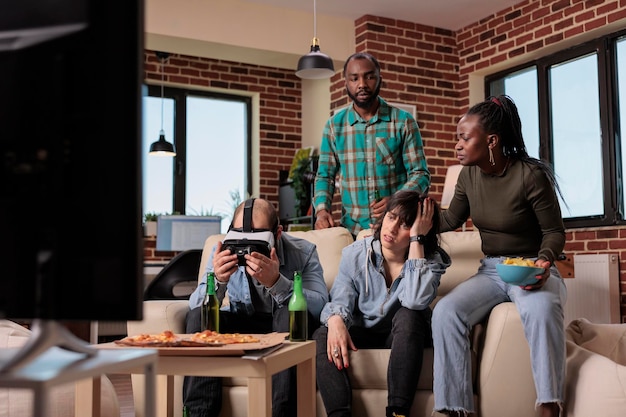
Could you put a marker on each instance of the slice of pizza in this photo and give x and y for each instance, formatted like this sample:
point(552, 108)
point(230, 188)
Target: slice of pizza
point(232, 338)
point(211, 338)
point(205, 338)
point(163, 339)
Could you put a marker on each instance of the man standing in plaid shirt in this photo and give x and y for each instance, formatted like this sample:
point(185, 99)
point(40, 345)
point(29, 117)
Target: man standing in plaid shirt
point(375, 148)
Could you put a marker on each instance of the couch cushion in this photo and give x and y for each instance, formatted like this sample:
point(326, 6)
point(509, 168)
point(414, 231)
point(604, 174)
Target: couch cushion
point(329, 244)
point(608, 340)
point(465, 250)
point(596, 369)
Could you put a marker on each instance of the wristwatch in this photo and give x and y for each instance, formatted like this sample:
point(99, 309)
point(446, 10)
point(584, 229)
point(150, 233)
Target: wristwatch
point(421, 239)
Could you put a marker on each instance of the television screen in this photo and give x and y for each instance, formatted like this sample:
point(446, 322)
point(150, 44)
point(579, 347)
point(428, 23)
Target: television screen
point(71, 75)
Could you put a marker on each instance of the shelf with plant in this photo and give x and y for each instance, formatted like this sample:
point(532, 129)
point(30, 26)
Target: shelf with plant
point(150, 217)
point(302, 176)
point(150, 222)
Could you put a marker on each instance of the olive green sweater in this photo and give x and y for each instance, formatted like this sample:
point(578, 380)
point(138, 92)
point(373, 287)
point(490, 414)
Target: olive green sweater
point(517, 213)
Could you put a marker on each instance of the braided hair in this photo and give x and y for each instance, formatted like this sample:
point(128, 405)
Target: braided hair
point(498, 115)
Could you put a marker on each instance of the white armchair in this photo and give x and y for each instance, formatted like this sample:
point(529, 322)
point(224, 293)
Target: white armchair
point(19, 402)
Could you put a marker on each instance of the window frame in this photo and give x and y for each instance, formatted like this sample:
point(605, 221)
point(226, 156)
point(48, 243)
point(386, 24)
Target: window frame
point(606, 53)
point(179, 96)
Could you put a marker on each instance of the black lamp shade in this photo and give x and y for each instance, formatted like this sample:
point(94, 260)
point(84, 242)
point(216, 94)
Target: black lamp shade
point(315, 65)
point(162, 147)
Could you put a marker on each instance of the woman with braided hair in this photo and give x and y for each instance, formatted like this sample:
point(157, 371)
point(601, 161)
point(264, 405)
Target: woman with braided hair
point(513, 202)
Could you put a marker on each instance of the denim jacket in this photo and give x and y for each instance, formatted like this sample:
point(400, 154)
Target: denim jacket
point(360, 294)
point(295, 254)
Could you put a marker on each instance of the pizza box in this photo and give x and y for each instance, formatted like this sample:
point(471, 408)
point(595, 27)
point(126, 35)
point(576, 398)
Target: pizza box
point(269, 341)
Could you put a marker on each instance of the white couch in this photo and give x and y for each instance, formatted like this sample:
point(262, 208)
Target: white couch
point(596, 369)
point(19, 402)
point(503, 381)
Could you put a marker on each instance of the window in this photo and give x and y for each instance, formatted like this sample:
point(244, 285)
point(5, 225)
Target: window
point(211, 173)
point(569, 104)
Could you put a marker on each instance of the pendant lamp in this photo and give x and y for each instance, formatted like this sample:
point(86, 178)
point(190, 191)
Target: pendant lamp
point(162, 147)
point(315, 65)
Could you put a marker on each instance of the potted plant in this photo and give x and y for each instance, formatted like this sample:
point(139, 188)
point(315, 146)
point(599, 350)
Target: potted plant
point(150, 223)
point(302, 176)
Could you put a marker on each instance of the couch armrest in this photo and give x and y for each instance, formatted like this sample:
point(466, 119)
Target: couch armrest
point(596, 369)
point(19, 402)
point(505, 357)
point(160, 315)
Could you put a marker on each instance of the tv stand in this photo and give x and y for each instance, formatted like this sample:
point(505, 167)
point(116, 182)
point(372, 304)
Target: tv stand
point(46, 334)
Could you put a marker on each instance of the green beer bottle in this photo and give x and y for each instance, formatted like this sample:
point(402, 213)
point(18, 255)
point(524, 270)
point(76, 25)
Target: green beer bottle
point(298, 319)
point(210, 306)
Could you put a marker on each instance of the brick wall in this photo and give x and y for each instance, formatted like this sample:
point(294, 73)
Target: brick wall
point(526, 28)
point(430, 68)
point(421, 65)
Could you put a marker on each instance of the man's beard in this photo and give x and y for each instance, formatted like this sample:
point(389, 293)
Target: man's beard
point(369, 102)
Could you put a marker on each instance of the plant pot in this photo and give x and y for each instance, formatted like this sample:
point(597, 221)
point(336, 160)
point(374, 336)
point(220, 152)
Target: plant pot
point(150, 228)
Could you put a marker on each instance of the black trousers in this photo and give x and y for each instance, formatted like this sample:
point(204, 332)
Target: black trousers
point(203, 395)
point(409, 334)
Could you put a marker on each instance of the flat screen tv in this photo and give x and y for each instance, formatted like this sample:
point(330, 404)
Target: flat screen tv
point(71, 75)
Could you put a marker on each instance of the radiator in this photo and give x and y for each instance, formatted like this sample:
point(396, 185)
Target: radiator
point(593, 292)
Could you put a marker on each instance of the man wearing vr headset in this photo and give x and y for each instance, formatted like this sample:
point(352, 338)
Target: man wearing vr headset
point(255, 263)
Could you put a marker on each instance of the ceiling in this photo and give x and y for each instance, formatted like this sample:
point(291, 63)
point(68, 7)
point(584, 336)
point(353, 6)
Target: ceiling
point(446, 14)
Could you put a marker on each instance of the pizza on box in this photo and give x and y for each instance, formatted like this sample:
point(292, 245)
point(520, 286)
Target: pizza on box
point(166, 338)
point(209, 337)
point(199, 339)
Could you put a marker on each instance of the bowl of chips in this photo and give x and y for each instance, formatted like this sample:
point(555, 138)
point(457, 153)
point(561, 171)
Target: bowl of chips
point(518, 271)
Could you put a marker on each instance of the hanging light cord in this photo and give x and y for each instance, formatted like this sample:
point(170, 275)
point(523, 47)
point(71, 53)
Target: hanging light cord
point(315, 19)
point(162, 81)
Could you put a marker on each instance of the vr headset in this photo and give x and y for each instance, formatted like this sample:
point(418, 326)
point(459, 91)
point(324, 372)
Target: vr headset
point(247, 240)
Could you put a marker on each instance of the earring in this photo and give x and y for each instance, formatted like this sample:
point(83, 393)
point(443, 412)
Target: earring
point(491, 160)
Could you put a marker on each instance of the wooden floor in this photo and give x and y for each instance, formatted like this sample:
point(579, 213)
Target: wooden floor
point(124, 390)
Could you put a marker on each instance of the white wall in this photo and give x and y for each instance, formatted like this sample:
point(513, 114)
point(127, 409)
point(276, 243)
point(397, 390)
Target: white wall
point(244, 32)
point(241, 31)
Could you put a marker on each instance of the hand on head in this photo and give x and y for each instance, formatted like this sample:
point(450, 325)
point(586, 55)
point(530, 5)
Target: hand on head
point(424, 219)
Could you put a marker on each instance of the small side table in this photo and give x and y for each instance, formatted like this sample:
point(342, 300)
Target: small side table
point(204, 362)
point(58, 366)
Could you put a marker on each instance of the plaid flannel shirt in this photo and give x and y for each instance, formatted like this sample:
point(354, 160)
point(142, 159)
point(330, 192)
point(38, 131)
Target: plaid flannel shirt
point(383, 155)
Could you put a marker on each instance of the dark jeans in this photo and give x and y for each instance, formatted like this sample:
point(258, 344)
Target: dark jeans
point(203, 395)
point(409, 334)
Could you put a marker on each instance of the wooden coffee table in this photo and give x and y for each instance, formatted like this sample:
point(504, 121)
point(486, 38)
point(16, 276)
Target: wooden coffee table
point(185, 361)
